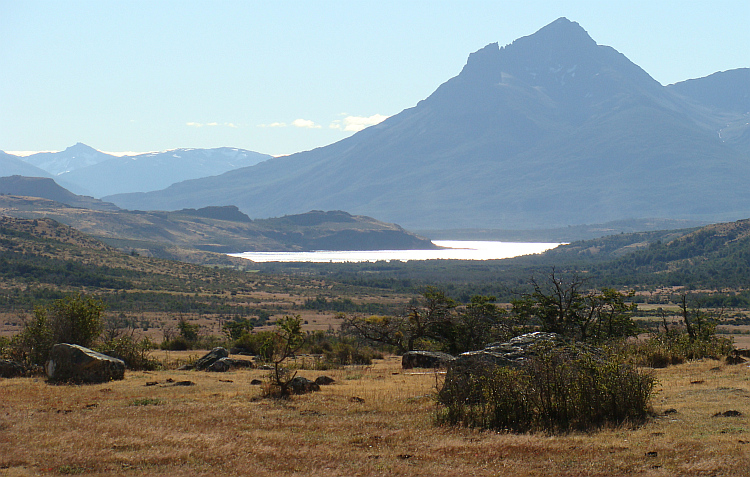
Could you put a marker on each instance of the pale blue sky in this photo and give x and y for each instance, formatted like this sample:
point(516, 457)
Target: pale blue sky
point(284, 76)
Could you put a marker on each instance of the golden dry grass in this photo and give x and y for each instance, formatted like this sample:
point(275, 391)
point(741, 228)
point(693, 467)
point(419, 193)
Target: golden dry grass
point(373, 421)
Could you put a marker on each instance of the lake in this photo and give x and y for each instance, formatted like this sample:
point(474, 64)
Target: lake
point(457, 250)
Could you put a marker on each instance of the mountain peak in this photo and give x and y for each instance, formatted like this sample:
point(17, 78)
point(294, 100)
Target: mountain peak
point(80, 147)
point(553, 45)
point(562, 29)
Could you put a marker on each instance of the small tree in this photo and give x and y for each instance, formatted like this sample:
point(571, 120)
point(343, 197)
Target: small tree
point(562, 305)
point(237, 327)
point(427, 318)
point(74, 320)
point(286, 340)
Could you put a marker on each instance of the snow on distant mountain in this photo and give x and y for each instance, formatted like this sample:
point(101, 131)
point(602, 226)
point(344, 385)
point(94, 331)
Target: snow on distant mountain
point(72, 158)
point(85, 170)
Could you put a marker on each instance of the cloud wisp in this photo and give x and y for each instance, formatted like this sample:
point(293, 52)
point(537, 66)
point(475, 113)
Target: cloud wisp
point(357, 123)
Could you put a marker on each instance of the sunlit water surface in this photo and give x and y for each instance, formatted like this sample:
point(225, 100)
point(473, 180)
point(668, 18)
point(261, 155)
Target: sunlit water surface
point(458, 250)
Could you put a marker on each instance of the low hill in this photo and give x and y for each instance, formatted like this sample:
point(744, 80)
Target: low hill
point(47, 188)
point(219, 229)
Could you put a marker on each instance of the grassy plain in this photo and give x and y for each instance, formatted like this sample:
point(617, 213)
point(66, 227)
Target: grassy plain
point(375, 420)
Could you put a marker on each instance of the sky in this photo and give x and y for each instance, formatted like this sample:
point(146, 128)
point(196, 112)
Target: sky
point(279, 77)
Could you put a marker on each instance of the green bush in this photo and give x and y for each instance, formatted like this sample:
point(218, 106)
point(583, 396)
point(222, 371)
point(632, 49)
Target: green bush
point(668, 348)
point(343, 354)
point(555, 390)
point(134, 352)
point(74, 320)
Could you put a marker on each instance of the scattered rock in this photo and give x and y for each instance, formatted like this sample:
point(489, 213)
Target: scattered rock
point(670, 411)
point(220, 366)
point(700, 381)
point(183, 383)
point(356, 399)
point(728, 414)
point(300, 385)
point(186, 367)
point(256, 382)
point(735, 358)
point(425, 359)
point(324, 380)
point(243, 363)
point(652, 454)
point(226, 381)
point(170, 380)
point(210, 358)
point(75, 363)
point(225, 364)
point(405, 456)
point(11, 369)
point(152, 383)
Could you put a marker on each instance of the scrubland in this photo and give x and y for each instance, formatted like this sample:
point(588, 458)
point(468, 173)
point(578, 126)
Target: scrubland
point(375, 420)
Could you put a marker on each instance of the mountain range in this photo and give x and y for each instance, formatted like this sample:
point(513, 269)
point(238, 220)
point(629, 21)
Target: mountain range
point(84, 170)
point(549, 131)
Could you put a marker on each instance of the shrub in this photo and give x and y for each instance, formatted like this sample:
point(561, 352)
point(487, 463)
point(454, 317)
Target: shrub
point(134, 352)
point(176, 344)
point(345, 354)
point(555, 390)
point(668, 348)
point(74, 320)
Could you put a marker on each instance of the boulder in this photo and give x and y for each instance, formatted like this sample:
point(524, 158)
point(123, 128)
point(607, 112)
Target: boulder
point(74, 363)
point(220, 366)
point(425, 359)
point(11, 369)
point(225, 364)
point(324, 380)
point(210, 358)
point(474, 366)
point(510, 353)
point(300, 385)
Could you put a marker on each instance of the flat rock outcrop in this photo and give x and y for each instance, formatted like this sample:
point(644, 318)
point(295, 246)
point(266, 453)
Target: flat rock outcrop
point(425, 359)
point(210, 358)
point(11, 369)
point(74, 363)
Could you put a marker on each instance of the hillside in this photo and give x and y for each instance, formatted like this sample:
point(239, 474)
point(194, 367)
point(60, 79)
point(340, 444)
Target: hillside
point(47, 188)
point(13, 165)
point(549, 131)
point(218, 229)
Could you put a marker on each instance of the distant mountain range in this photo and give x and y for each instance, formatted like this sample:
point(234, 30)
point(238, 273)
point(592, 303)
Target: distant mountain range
point(85, 170)
point(549, 131)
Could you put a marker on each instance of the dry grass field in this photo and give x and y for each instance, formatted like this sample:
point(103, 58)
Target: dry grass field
point(375, 420)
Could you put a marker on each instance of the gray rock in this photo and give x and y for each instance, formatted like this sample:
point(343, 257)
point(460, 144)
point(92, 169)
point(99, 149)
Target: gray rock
point(210, 358)
point(221, 365)
point(324, 380)
point(74, 363)
point(225, 364)
point(510, 353)
point(474, 366)
point(300, 385)
point(425, 359)
point(11, 369)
